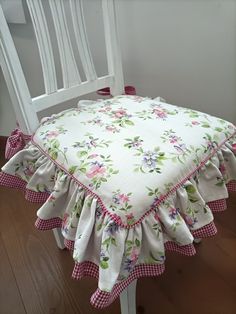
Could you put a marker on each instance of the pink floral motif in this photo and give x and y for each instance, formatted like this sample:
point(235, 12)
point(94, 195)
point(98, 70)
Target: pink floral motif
point(190, 221)
point(29, 170)
point(130, 219)
point(195, 122)
point(112, 129)
point(156, 216)
point(160, 113)
point(135, 254)
point(123, 198)
point(120, 113)
point(52, 134)
point(96, 169)
point(234, 147)
point(65, 219)
point(93, 156)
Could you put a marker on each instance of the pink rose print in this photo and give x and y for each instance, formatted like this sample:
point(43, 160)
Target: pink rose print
point(195, 122)
point(222, 168)
point(160, 113)
point(120, 113)
point(130, 219)
point(52, 134)
point(134, 255)
point(29, 170)
point(234, 147)
point(190, 221)
point(92, 156)
point(123, 198)
point(96, 169)
point(156, 216)
point(64, 222)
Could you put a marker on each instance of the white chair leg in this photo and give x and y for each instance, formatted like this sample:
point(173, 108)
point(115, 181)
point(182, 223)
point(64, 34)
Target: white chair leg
point(59, 238)
point(128, 299)
point(197, 240)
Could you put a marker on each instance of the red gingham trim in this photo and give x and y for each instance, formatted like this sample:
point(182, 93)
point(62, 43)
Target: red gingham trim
point(206, 231)
point(48, 224)
point(101, 299)
point(36, 197)
point(11, 181)
point(218, 206)
point(188, 250)
point(15, 182)
point(69, 244)
point(115, 217)
point(231, 186)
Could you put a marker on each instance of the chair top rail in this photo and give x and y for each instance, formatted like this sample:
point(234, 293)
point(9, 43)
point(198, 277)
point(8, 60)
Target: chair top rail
point(26, 107)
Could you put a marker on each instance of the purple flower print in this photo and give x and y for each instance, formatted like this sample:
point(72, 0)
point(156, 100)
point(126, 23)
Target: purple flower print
point(180, 148)
point(173, 213)
point(150, 159)
point(129, 264)
point(112, 228)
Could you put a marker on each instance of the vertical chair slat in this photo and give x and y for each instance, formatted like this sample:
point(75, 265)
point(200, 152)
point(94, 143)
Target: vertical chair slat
point(82, 42)
point(15, 80)
point(44, 44)
point(70, 71)
point(112, 47)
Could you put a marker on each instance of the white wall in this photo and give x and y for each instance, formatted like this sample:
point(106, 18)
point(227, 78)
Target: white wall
point(182, 50)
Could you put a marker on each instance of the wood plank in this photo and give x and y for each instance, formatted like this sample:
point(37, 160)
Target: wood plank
point(205, 283)
point(32, 263)
point(10, 298)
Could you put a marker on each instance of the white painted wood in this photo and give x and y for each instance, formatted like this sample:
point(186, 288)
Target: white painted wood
point(59, 238)
point(44, 44)
point(112, 47)
point(15, 80)
point(81, 37)
point(128, 299)
point(46, 101)
point(24, 105)
point(70, 71)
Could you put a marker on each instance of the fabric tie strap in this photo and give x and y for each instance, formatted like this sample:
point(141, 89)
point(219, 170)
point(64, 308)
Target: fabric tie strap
point(15, 142)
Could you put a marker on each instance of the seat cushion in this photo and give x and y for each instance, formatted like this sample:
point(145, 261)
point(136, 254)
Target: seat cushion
point(131, 151)
point(126, 179)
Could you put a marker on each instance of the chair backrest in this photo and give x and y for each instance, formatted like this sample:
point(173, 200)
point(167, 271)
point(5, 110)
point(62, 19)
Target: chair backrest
point(26, 107)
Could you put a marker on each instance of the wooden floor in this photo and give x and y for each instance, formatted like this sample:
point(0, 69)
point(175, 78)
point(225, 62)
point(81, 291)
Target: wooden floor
point(35, 276)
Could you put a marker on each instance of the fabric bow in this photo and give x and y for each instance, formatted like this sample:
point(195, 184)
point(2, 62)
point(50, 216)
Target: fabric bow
point(15, 142)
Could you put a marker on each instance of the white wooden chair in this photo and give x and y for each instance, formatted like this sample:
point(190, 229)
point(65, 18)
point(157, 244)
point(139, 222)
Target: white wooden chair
point(27, 107)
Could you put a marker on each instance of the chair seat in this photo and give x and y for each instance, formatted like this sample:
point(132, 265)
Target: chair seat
point(126, 179)
point(131, 151)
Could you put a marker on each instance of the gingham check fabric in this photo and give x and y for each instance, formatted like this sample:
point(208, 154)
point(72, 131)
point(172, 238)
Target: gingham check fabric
point(206, 231)
point(218, 206)
point(231, 186)
point(188, 250)
point(48, 224)
point(15, 142)
point(101, 299)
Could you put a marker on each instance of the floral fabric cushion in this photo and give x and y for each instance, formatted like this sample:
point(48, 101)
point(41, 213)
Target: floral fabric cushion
point(126, 179)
